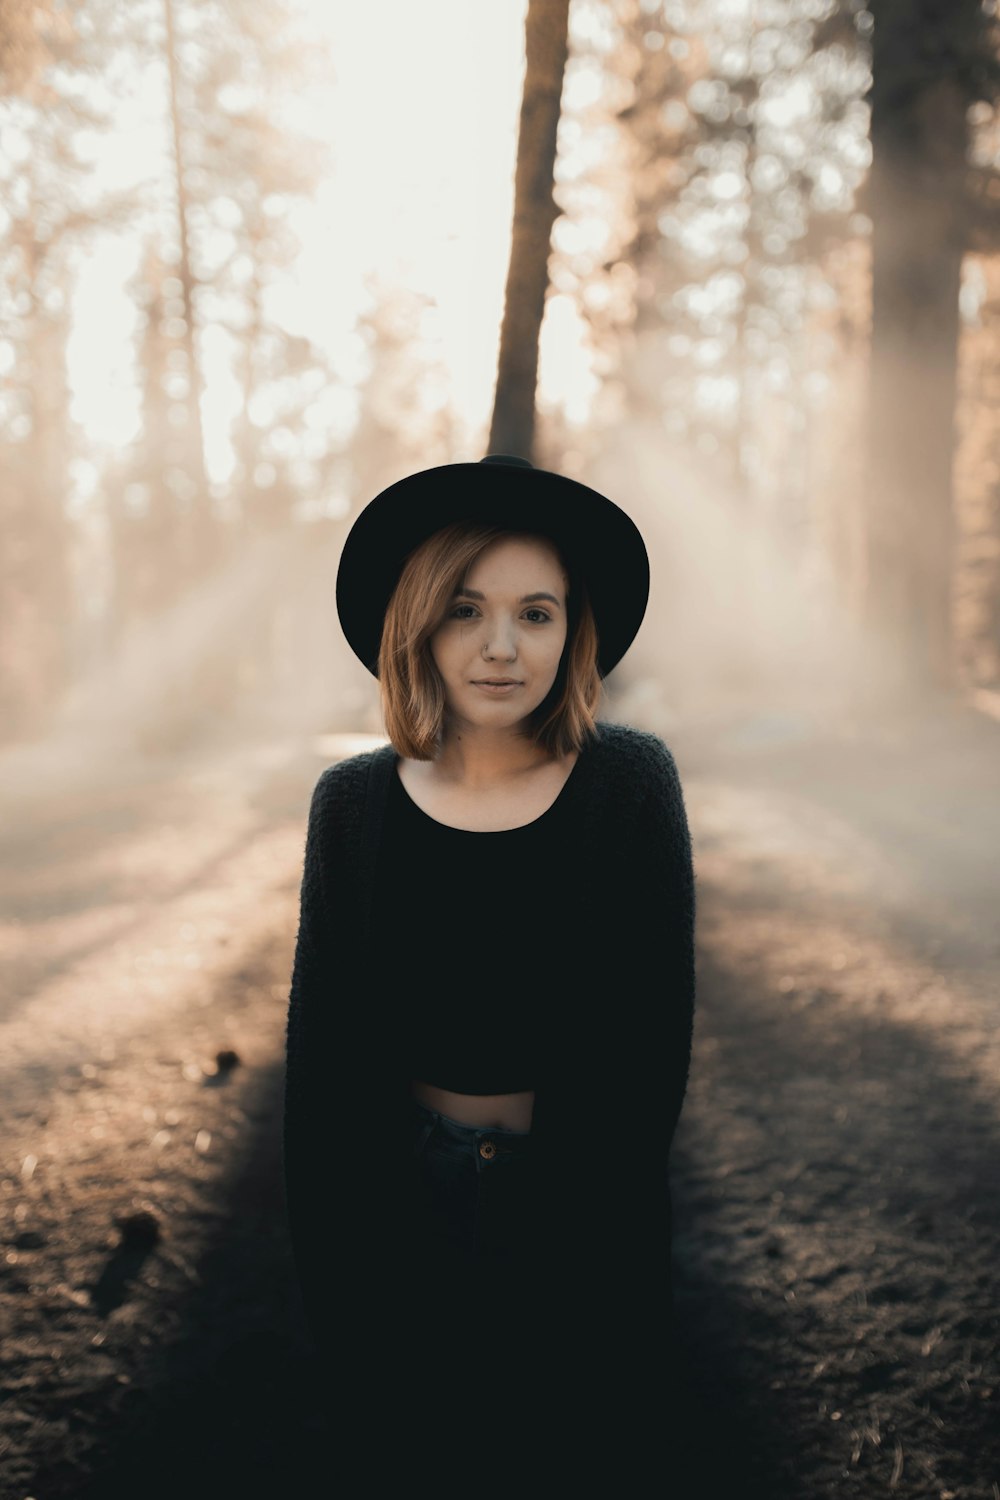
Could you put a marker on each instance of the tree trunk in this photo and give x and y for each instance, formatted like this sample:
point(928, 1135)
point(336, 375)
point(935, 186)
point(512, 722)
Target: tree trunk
point(201, 541)
point(917, 191)
point(535, 211)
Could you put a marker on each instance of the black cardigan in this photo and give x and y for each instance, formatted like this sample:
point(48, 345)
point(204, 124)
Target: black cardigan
point(604, 1121)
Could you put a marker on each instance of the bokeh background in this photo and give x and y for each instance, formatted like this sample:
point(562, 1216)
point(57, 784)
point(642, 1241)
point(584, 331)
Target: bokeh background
point(735, 263)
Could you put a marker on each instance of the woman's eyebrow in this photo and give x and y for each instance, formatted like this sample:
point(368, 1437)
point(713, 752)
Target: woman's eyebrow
point(525, 598)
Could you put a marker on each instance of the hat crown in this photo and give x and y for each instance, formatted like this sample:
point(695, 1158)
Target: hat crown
point(507, 458)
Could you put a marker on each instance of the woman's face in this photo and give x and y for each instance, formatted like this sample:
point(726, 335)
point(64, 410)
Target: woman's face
point(506, 620)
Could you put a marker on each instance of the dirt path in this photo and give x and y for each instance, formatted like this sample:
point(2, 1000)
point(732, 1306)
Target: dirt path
point(149, 924)
point(837, 1166)
point(836, 1179)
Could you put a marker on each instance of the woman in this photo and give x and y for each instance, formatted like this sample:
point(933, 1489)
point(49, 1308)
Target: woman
point(490, 1019)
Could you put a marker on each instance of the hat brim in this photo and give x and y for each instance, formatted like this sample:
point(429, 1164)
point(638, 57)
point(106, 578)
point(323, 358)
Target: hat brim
point(596, 535)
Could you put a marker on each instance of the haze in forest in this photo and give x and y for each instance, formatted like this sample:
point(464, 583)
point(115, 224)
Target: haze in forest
point(734, 264)
point(261, 260)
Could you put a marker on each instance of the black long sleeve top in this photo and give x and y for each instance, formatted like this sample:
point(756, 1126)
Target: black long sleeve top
point(470, 928)
point(619, 1013)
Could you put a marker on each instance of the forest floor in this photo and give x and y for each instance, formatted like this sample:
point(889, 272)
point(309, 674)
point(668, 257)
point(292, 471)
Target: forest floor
point(835, 1174)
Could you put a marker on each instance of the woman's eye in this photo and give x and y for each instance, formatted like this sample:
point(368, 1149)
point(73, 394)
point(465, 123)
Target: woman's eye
point(456, 613)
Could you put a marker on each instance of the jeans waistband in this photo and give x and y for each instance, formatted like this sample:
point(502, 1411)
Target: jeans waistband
point(486, 1140)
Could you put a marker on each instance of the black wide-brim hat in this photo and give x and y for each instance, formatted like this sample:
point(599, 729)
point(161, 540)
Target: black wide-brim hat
point(596, 536)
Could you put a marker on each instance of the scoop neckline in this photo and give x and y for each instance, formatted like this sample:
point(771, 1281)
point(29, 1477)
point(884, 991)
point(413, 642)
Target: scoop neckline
point(560, 798)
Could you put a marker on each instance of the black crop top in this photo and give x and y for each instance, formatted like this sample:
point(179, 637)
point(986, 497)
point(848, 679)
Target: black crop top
point(470, 936)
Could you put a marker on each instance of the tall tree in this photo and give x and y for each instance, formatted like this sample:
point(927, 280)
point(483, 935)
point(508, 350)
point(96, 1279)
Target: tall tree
point(747, 142)
point(931, 60)
point(201, 532)
point(144, 496)
point(247, 166)
point(49, 217)
point(535, 211)
point(233, 169)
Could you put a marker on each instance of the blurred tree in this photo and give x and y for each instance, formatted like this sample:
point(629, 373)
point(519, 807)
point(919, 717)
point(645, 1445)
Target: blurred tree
point(145, 495)
point(240, 73)
point(239, 76)
point(405, 420)
point(200, 528)
point(535, 210)
point(248, 166)
point(932, 59)
point(35, 566)
point(744, 137)
point(238, 166)
point(976, 473)
point(22, 45)
point(50, 216)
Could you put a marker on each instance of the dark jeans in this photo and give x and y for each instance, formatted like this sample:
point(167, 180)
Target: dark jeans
point(471, 1228)
point(484, 1339)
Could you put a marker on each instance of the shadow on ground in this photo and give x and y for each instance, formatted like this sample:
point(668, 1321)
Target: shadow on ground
point(228, 1407)
point(231, 1406)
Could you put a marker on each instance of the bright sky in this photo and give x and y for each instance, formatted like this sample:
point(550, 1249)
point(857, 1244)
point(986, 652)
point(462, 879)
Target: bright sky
point(422, 117)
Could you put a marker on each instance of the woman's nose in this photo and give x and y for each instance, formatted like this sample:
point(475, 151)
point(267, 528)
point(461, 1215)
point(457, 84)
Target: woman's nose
point(501, 644)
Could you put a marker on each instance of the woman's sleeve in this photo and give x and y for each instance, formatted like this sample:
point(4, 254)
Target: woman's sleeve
point(662, 928)
point(308, 1005)
point(648, 1039)
point(656, 966)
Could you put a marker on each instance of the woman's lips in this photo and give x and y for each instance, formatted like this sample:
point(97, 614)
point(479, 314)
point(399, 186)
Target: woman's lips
point(497, 689)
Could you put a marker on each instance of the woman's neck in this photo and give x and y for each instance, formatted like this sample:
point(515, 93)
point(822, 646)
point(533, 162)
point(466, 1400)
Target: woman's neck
point(477, 759)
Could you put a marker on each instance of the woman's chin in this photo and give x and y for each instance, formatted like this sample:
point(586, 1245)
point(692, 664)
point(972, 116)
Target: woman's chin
point(496, 715)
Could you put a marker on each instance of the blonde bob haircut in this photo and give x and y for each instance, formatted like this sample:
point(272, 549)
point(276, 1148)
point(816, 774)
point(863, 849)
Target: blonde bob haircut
point(411, 687)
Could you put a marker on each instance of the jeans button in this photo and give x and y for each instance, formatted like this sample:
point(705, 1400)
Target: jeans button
point(487, 1149)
